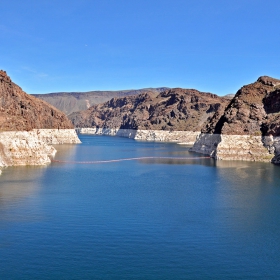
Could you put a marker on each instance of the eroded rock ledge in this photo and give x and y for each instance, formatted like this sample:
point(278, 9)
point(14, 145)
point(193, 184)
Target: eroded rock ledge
point(248, 128)
point(218, 146)
point(32, 147)
point(239, 147)
point(28, 126)
point(186, 137)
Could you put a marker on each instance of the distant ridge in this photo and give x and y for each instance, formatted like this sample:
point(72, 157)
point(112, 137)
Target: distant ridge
point(172, 109)
point(69, 102)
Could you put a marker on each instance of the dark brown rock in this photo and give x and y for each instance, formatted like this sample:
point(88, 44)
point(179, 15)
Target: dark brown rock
point(20, 111)
point(253, 111)
point(173, 109)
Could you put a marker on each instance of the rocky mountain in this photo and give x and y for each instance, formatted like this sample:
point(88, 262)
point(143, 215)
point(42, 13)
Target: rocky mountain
point(28, 126)
point(248, 128)
point(20, 111)
point(254, 110)
point(69, 102)
point(173, 109)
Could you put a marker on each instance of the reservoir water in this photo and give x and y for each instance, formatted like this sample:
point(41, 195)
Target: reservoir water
point(142, 219)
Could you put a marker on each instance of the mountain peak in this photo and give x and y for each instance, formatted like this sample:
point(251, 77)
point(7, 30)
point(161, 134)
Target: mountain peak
point(269, 81)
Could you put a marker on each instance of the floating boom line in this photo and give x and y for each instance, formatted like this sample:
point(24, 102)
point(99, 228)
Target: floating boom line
point(126, 159)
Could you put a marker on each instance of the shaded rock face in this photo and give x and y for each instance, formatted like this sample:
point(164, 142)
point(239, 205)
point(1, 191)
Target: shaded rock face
point(272, 108)
point(255, 110)
point(249, 127)
point(69, 102)
point(174, 109)
point(20, 111)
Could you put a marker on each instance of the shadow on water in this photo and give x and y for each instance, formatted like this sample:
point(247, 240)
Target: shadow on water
point(19, 182)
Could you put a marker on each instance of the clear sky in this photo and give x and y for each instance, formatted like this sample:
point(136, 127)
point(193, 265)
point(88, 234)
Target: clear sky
point(81, 45)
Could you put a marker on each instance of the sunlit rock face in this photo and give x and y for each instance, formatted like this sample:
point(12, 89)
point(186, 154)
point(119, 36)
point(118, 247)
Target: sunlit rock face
point(183, 137)
point(21, 111)
point(23, 148)
point(29, 126)
point(171, 110)
point(248, 128)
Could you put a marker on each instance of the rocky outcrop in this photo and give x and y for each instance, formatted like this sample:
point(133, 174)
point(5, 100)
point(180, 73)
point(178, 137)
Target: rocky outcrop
point(69, 102)
point(32, 147)
point(248, 128)
point(171, 110)
point(235, 147)
point(253, 111)
point(23, 148)
point(29, 126)
point(182, 137)
point(20, 111)
point(57, 136)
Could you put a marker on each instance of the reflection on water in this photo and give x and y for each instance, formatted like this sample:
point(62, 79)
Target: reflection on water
point(188, 161)
point(66, 150)
point(146, 219)
point(19, 182)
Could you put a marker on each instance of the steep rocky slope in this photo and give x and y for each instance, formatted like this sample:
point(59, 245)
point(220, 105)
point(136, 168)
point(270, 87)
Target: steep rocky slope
point(249, 126)
point(69, 102)
point(174, 109)
point(28, 125)
point(20, 111)
point(253, 110)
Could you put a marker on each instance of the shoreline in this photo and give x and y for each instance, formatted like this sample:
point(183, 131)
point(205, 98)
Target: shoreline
point(186, 137)
point(217, 146)
point(32, 147)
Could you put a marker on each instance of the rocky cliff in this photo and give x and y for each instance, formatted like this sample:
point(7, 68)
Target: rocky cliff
point(171, 110)
point(249, 127)
point(20, 111)
point(28, 125)
point(69, 102)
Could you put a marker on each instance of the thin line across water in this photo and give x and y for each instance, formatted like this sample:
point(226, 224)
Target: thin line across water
point(125, 159)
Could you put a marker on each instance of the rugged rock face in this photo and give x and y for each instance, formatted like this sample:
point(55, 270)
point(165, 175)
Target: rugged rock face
point(235, 147)
point(20, 111)
point(28, 126)
point(172, 110)
point(23, 148)
point(249, 127)
point(69, 102)
point(254, 110)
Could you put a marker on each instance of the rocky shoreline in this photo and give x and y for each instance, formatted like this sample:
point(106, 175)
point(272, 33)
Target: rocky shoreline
point(218, 146)
point(239, 147)
point(185, 137)
point(247, 127)
point(32, 147)
point(29, 126)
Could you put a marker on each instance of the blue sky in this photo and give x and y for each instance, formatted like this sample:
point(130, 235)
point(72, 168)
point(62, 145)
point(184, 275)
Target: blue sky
point(215, 46)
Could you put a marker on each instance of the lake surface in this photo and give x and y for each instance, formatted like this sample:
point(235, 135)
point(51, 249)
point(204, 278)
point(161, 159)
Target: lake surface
point(142, 219)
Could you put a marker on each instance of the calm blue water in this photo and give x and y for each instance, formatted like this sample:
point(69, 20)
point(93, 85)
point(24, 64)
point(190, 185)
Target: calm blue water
point(152, 219)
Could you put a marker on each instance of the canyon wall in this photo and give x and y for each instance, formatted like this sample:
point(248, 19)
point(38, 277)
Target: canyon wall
point(184, 137)
point(28, 126)
point(238, 147)
point(171, 110)
point(249, 127)
point(32, 147)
